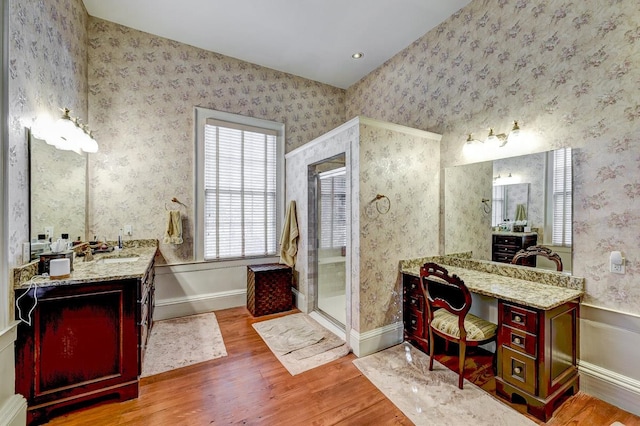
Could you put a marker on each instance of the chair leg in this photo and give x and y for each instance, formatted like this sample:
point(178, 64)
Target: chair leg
point(463, 348)
point(431, 345)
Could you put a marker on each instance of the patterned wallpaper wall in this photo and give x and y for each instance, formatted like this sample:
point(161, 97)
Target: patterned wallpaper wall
point(406, 168)
point(568, 72)
point(142, 90)
point(47, 71)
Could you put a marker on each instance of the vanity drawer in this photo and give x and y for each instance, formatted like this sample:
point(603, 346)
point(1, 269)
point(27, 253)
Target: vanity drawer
point(519, 370)
point(412, 286)
point(415, 324)
point(519, 317)
point(506, 240)
point(416, 301)
point(518, 340)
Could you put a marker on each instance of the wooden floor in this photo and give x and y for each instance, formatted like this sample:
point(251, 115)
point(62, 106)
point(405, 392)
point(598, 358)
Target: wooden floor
point(250, 386)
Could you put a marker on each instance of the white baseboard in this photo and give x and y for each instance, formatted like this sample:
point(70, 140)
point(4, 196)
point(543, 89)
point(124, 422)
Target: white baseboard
point(14, 411)
point(376, 340)
point(609, 386)
point(192, 305)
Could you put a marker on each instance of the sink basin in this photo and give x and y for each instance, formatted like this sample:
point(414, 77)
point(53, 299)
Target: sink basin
point(118, 260)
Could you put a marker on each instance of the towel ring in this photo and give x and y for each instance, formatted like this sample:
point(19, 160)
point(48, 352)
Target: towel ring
point(486, 206)
point(383, 204)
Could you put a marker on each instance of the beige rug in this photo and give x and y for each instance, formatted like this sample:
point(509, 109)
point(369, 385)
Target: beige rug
point(432, 397)
point(179, 342)
point(300, 343)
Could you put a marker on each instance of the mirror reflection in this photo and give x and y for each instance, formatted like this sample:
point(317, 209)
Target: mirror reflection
point(530, 198)
point(57, 192)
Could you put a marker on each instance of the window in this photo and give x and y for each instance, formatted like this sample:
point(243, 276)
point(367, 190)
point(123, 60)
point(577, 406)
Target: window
point(561, 197)
point(239, 185)
point(333, 208)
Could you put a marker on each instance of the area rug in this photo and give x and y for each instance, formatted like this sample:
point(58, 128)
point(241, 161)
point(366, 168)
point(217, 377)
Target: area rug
point(300, 343)
point(426, 397)
point(179, 342)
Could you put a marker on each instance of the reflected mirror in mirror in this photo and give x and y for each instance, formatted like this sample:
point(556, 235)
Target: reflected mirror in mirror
point(469, 225)
point(509, 203)
point(57, 185)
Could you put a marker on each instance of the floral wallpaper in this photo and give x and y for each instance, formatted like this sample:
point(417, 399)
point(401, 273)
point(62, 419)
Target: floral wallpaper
point(405, 167)
point(382, 160)
point(47, 71)
point(568, 72)
point(142, 91)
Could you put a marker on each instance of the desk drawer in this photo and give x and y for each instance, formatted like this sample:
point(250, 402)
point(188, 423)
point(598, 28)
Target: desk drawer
point(518, 340)
point(520, 318)
point(519, 370)
point(412, 286)
point(415, 324)
point(416, 301)
point(507, 240)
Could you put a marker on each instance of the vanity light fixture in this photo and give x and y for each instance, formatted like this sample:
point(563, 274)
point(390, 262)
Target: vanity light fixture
point(499, 139)
point(67, 134)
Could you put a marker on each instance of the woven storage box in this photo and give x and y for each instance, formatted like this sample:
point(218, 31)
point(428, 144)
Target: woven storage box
point(269, 289)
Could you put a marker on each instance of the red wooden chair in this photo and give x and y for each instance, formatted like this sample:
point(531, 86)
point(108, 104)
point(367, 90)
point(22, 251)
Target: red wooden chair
point(448, 302)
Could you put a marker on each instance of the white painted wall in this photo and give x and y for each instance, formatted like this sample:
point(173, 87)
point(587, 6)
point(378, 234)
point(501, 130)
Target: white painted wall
point(194, 288)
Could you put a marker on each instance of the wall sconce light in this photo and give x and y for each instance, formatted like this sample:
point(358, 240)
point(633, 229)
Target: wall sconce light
point(66, 133)
point(499, 139)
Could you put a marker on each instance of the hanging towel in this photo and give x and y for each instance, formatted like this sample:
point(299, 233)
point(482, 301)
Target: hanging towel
point(289, 237)
point(173, 233)
point(521, 212)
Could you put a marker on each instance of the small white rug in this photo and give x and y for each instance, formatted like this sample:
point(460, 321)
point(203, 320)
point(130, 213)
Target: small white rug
point(300, 343)
point(179, 342)
point(433, 397)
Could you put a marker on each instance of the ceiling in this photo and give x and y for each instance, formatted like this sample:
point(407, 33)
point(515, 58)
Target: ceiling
point(309, 38)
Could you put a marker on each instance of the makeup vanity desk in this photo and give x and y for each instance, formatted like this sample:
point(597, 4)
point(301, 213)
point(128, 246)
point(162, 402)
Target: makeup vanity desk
point(538, 311)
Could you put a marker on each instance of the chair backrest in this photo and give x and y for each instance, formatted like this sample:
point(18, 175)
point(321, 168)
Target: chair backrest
point(442, 290)
point(538, 251)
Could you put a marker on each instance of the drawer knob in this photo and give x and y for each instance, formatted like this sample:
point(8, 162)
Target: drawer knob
point(413, 301)
point(517, 318)
point(413, 286)
point(517, 370)
point(517, 341)
point(413, 322)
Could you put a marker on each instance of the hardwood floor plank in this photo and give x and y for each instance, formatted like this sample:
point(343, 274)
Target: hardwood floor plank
point(250, 386)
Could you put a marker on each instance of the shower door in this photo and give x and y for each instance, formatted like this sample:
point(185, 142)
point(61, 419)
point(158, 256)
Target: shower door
point(331, 239)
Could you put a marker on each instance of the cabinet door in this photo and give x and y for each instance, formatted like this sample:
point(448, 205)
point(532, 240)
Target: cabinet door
point(82, 339)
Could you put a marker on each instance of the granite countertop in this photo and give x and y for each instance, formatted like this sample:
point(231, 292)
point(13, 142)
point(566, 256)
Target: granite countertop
point(528, 293)
point(513, 233)
point(104, 267)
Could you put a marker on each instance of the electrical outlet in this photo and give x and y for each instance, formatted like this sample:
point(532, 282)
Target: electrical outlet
point(128, 230)
point(618, 268)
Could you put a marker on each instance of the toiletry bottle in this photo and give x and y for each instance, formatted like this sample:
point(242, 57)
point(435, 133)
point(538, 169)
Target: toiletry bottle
point(120, 240)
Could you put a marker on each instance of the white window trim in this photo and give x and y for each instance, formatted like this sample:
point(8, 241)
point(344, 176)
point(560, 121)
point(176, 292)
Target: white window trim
point(201, 116)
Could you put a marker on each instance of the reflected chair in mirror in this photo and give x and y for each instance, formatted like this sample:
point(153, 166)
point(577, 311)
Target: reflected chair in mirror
point(538, 251)
point(448, 302)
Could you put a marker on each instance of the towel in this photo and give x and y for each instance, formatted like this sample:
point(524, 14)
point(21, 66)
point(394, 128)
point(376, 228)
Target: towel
point(289, 237)
point(173, 233)
point(521, 212)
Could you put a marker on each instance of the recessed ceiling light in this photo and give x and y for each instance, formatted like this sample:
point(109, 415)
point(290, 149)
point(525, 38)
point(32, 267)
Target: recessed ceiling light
point(357, 55)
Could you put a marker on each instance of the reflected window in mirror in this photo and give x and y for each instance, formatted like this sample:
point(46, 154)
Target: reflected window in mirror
point(560, 191)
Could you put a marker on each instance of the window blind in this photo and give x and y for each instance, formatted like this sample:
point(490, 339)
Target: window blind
point(333, 208)
point(240, 191)
point(497, 212)
point(562, 196)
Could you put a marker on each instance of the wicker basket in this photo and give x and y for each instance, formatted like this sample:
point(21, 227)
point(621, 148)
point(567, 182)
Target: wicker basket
point(269, 289)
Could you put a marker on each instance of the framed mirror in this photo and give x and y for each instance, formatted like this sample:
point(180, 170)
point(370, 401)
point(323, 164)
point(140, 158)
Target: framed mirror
point(58, 195)
point(470, 203)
